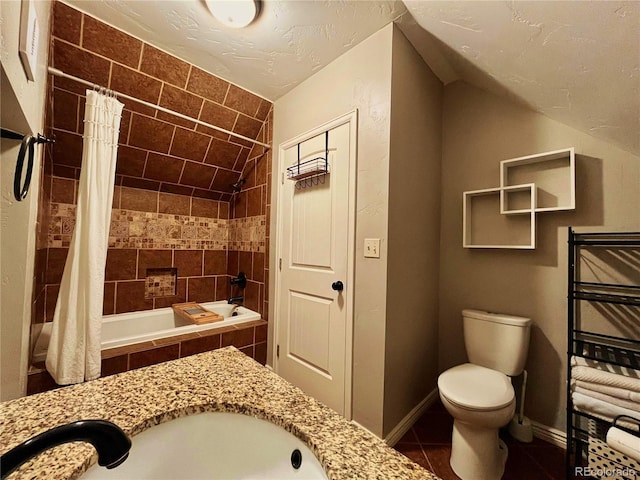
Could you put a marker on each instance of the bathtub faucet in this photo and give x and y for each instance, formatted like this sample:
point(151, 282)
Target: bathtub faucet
point(111, 443)
point(240, 280)
point(236, 300)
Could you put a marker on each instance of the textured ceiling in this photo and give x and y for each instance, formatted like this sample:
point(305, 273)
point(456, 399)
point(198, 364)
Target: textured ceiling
point(577, 62)
point(289, 41)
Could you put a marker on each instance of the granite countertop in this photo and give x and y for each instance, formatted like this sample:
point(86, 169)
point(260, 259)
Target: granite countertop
point(222, 380)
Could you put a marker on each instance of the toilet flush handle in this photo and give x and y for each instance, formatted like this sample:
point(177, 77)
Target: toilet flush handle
point(337, 286)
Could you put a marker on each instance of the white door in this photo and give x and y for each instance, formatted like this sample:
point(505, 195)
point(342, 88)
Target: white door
point(313, 310)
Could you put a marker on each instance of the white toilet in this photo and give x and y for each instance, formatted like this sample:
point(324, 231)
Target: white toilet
point(479, 395)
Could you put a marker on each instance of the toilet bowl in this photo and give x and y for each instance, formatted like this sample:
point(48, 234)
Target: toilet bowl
point(480, 400)
point(479, 395)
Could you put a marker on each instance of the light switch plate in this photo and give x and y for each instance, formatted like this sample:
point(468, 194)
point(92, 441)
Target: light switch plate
point(372, 248)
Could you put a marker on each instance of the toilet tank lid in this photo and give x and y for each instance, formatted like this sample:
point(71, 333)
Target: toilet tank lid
point(497, 317)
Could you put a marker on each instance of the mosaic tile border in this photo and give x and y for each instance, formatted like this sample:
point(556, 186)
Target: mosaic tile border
point(248, 234)
point(148, 230)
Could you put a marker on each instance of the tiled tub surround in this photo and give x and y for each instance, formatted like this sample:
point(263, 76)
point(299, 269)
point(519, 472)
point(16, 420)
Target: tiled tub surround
point(224, 380)
point(250, 338)
point(165, 165)
point(155, 230)
point(198, 242)
point(127, 329)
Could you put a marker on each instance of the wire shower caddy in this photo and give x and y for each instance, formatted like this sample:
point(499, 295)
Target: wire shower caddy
point(310, 172)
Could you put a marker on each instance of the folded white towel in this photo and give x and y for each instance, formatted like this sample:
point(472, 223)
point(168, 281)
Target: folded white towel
point(598, 372)
point(599, 408)
point(605, 367)
point(621, 393)
point(618, 402)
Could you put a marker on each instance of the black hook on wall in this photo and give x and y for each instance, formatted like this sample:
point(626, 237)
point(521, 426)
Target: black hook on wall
point(27, 145)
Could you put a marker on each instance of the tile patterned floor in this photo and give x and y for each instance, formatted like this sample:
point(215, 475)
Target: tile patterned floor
point(428, 443)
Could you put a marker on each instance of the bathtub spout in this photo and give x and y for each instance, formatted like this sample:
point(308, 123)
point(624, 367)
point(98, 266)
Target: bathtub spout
point(236, 300)
point(111, 443)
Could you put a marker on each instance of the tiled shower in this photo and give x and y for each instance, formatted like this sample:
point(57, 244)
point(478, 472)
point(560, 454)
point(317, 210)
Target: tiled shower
point(176, 219)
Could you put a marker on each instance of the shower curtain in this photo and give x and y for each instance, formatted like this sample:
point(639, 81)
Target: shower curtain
point(74, 348)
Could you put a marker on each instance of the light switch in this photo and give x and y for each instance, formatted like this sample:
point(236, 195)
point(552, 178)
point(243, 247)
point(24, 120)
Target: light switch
point(372, 247)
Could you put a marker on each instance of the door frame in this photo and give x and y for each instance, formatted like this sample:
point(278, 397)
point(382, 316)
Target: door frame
point(352, 119)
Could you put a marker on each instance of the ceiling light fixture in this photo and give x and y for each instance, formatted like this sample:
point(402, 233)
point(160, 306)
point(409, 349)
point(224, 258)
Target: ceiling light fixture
point(234, 13)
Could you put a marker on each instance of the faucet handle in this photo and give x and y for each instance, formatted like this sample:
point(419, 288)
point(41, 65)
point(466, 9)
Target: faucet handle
point(240, 280)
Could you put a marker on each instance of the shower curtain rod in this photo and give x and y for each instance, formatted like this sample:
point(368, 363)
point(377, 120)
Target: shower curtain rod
point(59, 73)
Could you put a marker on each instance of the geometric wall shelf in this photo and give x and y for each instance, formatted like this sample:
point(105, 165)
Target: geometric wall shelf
point(505, 217)
point(554, 174)
point(485, 226)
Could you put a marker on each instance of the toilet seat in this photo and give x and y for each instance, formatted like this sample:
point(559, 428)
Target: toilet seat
point(473, 387)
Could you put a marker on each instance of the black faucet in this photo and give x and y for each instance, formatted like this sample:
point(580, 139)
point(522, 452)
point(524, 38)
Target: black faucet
point(111, 443)
point(236, 300)
point(240, 280)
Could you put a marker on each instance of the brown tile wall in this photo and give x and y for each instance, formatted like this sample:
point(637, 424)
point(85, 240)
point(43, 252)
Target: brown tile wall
point(40, 262)
point(252, 207)
point(160, 151)
point(166, 165)
point(42, 225)
point(202, 272)
point(250, 338)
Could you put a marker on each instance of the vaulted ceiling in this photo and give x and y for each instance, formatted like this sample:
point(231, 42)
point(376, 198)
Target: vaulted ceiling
point(575, 61)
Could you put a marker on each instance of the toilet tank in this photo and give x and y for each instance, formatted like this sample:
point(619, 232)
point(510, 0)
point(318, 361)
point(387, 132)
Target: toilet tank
point(496, 341)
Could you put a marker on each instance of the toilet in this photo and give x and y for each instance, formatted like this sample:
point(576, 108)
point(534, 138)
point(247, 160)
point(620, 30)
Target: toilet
point(479, 395)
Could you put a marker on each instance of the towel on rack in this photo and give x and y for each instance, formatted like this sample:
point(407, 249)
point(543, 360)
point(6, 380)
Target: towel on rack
point(617, 392)
point(599, 408)
point(605, 367)
point(592, 375)
point(618, 402)
point(605, 374)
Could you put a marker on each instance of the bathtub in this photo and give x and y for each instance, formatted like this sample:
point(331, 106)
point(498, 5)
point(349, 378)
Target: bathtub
point(215, 445)
point(124, 329)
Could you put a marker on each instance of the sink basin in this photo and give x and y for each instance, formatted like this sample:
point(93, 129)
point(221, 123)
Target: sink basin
point(214, 446)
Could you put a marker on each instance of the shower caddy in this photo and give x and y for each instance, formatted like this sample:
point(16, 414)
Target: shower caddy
point(310, 172)
point(585, 430)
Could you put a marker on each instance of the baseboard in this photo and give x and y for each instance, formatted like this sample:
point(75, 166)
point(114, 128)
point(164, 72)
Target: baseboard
point(407, 422)
point(549, 434)
point(543, 432)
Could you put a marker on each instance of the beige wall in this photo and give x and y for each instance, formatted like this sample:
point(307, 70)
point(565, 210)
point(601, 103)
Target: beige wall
point(398, 170)
point(411, 338)
point(479, 130)
point(352, 81)
point(22, 111)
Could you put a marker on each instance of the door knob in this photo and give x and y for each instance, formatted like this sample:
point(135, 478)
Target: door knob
point(337, 286)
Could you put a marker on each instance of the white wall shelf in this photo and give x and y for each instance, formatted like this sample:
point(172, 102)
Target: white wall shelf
point(484, 225)
point(553, 173)
point(505, 216)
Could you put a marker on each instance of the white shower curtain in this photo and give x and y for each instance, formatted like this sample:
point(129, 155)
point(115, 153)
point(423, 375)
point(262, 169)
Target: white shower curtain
point(74, 348)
